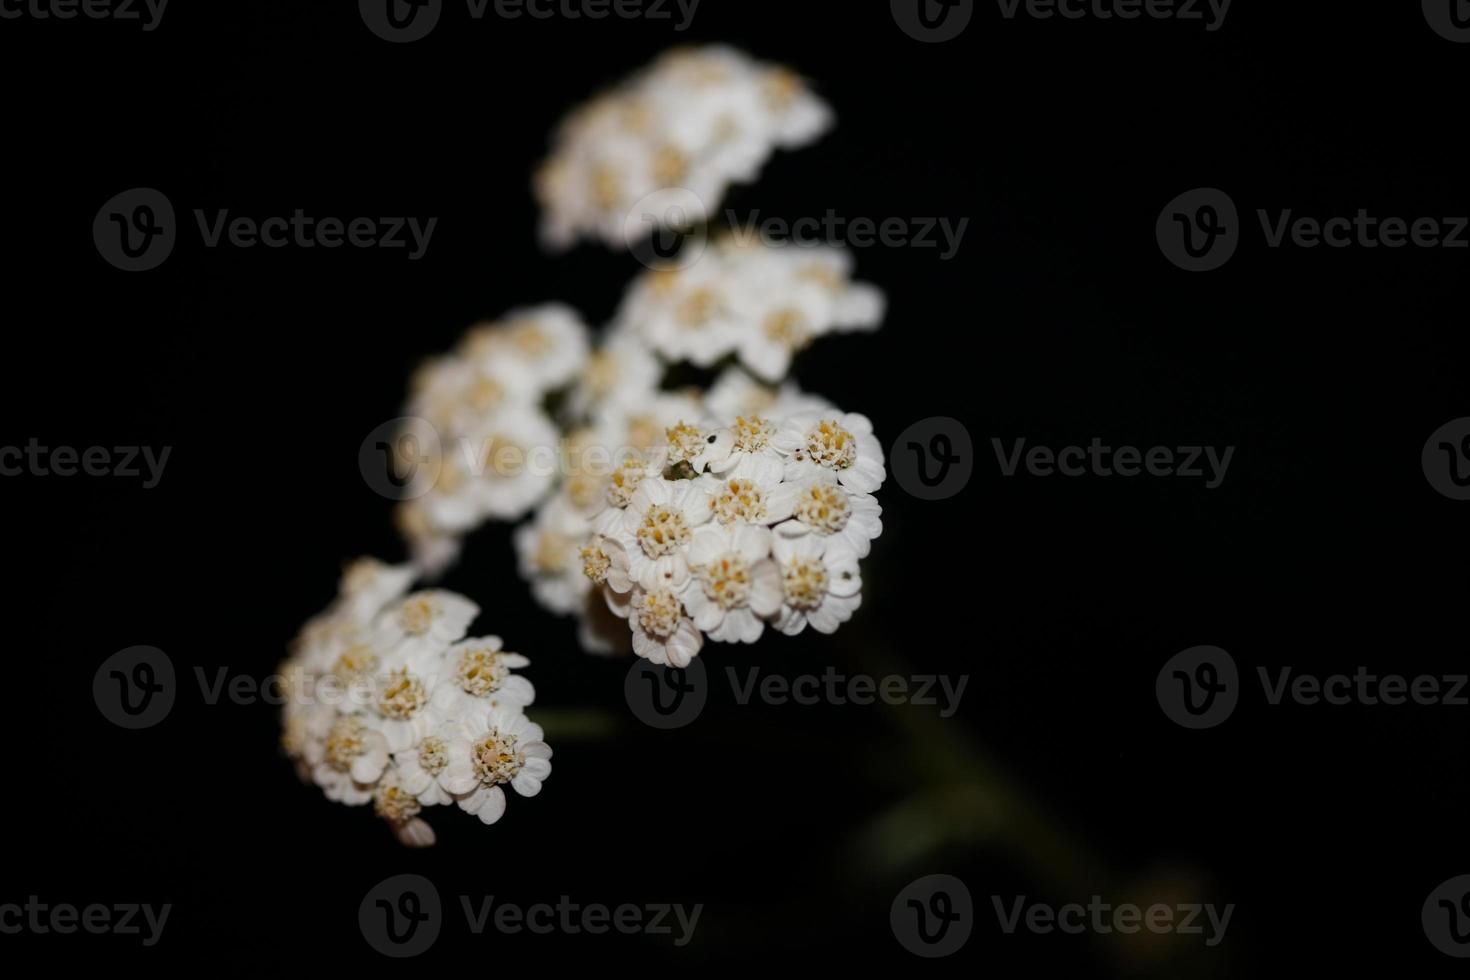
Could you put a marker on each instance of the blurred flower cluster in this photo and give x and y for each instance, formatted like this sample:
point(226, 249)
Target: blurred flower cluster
point(697, 119)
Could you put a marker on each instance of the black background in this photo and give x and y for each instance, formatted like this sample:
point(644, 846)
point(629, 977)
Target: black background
point(1059, 320)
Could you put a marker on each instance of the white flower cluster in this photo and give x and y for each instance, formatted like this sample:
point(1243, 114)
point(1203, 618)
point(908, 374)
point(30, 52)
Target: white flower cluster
point(665, 516)
point(697, 119)
point(389, 703)
point(478, 424)
point(691, 514)
point(759, 302)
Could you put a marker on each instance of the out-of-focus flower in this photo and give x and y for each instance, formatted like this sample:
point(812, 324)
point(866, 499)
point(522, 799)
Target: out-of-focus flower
point(479, 432)
point(760, 302)
point(696, 119)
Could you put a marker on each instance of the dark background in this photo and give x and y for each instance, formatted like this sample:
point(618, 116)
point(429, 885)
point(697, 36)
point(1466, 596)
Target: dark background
point(1058, 321)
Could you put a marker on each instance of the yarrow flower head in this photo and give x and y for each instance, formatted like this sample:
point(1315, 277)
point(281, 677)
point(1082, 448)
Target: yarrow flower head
point(759, 302)
point(389, 703)
point(479, 431)
point(696, 119)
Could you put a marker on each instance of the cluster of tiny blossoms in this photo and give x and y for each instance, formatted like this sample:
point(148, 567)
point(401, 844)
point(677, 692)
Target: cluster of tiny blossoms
point(759, 302)
point(697, 119)
point(478, 421)
point(390, 703)
point(691, 514)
